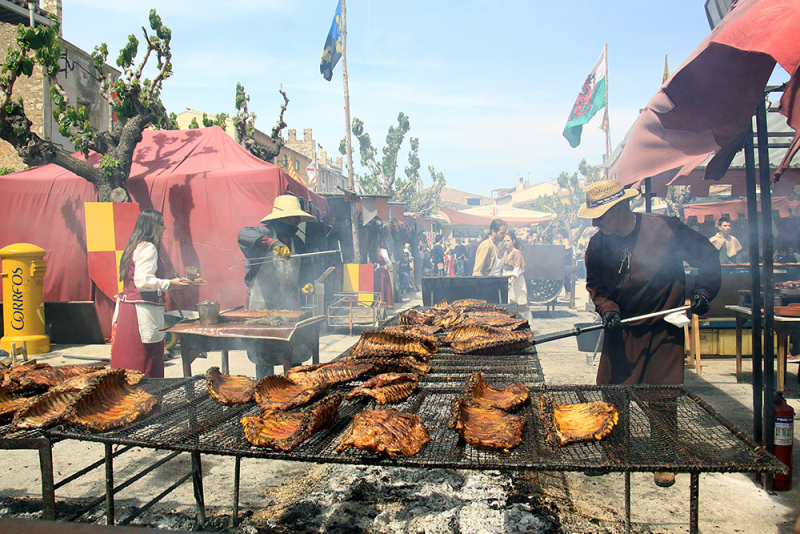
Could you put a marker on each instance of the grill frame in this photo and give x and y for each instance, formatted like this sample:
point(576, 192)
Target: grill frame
point(188, 420)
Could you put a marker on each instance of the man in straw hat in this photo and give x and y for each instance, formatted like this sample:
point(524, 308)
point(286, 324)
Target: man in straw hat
point(634, 266)
point(272, 276)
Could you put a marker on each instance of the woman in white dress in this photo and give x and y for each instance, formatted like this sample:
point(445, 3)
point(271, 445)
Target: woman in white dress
point(514, 267)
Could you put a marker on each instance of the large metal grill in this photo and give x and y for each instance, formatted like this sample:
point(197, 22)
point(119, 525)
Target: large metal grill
point(661, 427)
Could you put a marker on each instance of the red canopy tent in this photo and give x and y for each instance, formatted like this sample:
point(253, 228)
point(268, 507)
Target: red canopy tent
point(207, 186)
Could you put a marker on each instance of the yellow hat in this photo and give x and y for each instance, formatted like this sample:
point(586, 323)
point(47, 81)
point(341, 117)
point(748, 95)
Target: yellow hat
point(601, 196)
point(287, 206)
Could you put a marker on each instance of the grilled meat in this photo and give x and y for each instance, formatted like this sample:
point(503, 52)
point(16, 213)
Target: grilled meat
point(109, 403)
point(10, 403)
point(47, 377)
point(482, 394)
point(469, 332)
point(505, 343)
point(423, 333)
point(387, 430)
point(486, 428)
point(52, 406)
point(229, 389)
point(276, 392)
point(497, 320)
point(284, 431)
point(387, 388)
point(378, 343)
point(329, 373)
point(415, 317)
point(393, 365)
point(571, 423)
point(474, 305)
point(452, 318)
point(11, 377)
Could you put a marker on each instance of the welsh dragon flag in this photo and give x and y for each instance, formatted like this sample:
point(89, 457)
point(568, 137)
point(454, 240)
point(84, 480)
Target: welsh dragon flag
point(591, 99)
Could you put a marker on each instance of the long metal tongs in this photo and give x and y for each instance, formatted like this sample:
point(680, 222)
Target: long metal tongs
point(576, 331)
point(271, 258)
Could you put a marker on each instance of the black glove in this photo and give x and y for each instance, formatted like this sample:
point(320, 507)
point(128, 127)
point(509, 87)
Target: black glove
point(699, 304)
point(612, 321)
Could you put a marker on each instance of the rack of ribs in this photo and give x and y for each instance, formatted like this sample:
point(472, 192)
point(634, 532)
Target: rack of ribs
point(571, 423)
point(506, 343)
point(387, 431)
point(330, 373)
point(423, 333)
point(276, 392)
point(486, 428)
point(110, 402)
point(393, 365)
point(480, 393)
point(284, 431)
point(387, 388)
point(229, 389)
point(376, 342)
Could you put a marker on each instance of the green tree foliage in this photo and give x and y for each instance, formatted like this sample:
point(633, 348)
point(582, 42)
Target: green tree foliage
point(245, 123)
point(381, 177)
point(193, 124)
point(136, 101)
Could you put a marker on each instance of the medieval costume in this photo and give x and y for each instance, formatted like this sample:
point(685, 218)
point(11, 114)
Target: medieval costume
point(383, 278)
point(642, 273)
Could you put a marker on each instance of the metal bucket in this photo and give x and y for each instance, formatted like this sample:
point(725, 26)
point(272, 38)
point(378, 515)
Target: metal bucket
point(209, 312)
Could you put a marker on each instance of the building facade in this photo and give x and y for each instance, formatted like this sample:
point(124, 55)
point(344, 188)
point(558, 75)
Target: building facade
point(77, 77)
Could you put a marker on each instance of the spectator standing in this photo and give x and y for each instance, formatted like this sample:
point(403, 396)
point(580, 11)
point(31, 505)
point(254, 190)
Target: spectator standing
point(437, 256)
point(488, 260)
point(449, 261)
point(405, 272)
point(427, 264)
point(728, 246)
point(514, 267)
point(472, 248)
point(461, 258)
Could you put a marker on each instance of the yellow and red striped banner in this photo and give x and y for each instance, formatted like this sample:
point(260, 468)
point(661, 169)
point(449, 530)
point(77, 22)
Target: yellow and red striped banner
point(360, 278)
point(109, 225)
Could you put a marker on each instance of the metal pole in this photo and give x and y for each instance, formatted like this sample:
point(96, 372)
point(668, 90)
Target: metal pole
point(48, 490)
point(109, 484)
point(197, 483)
point(694, 497)
point(627, 502)
point(237, 466)
point(755, 286)
point(765, 181)
point(648, 198)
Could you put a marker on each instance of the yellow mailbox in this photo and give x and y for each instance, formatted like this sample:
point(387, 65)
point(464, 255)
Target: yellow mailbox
point(23, 297)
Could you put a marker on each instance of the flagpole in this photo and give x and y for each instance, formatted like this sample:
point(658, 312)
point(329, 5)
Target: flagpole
point(348, 142)
point(608, 121)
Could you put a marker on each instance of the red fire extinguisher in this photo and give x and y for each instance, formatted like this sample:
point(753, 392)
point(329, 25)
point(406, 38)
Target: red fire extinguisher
point(784, 432)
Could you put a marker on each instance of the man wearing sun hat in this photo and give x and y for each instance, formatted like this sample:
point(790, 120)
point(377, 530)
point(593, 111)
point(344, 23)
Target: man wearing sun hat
point(634, 266)
point(272, 276)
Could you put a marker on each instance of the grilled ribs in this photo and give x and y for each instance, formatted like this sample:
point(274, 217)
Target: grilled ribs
point(415, 317)
point(505, 343)
point(276, 392)
point(284, 431)
point(480, 393)
point(485, 428)
point(379, 343)
point(424, 333)
point(329, 373)
point(229, 389)
point(393, 365)
point(109, 403)
point(10, 403)
point(498, 320)
point(387, 388)
point(469, 332)
point(388, 430)
point(52, 406)
point(571, 423)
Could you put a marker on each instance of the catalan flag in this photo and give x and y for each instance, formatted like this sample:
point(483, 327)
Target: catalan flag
point(293, 173)
point(109, 225)
point(333, 45)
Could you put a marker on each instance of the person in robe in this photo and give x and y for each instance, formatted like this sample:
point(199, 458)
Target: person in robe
point(514, 268)
point(383, 277)
point(727, 245)
point(634, 266)
point(272, 276)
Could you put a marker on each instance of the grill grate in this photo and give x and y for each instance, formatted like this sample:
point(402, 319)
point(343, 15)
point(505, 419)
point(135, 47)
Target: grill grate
point(661, 427)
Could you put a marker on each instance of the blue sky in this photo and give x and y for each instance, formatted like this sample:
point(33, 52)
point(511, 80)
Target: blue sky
point(487, 85)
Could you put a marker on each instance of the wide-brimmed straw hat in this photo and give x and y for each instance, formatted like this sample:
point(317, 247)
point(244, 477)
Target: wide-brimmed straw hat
point(602, 196)
point(287, 206)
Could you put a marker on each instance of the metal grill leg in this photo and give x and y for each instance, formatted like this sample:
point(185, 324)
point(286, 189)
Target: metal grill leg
point(225, 369)
point(197, 482)
point(627, 502)
point(236, 471)
point(694, 493)
point(109, 484)
point(48, 490)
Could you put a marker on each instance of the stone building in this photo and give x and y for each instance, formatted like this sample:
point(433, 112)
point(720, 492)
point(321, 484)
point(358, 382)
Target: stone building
point(78, 78)
point(299, 153)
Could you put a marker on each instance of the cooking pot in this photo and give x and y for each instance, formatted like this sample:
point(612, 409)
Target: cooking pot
point(209, 312)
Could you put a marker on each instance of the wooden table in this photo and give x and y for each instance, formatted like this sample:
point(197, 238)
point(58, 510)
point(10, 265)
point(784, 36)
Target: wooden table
point(279, 340)
point(783, 327)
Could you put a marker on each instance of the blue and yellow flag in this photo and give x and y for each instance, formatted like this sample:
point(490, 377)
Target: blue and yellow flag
point(333, 45)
